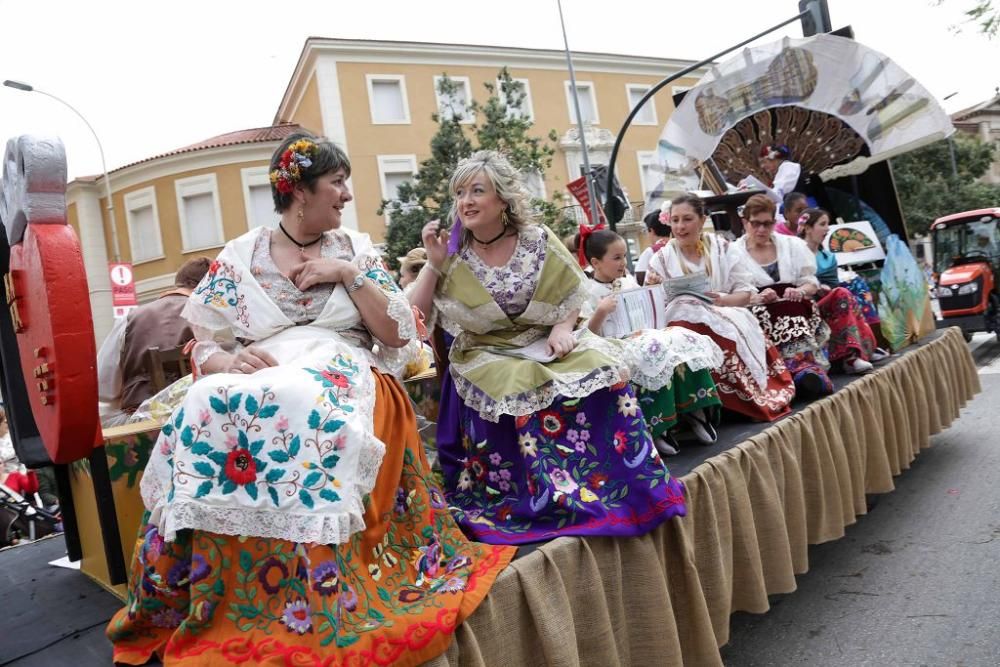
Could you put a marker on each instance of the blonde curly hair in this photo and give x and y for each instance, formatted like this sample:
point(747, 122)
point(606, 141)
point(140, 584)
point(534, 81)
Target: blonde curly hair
point(506, 183)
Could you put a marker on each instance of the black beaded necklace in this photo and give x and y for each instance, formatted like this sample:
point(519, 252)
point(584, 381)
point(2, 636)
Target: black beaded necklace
point(302, 246)
point(496, 238)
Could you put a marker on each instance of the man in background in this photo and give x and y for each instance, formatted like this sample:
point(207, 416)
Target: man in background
point(124, 381)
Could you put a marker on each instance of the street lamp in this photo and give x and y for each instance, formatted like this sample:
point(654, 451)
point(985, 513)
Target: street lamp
point(28, 88)
point(951, 142)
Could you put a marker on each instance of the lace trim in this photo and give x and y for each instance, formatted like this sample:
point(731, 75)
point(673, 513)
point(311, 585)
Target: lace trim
point(275, 524)
point(548, 315)
point(328, 528)
point(399, 310)
point(659, 356)
point(569, 385)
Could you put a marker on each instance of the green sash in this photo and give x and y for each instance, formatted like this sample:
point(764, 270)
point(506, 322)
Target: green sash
point(497, 384)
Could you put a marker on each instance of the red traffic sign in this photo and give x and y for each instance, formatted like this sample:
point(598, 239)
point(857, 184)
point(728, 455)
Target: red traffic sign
point(122, 284)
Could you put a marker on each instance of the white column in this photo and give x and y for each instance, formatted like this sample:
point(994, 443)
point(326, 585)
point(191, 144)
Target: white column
point(95, 260)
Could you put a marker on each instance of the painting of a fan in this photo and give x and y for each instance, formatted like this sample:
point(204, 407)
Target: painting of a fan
point(854, 243)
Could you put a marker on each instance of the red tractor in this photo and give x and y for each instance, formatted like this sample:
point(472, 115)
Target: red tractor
point(967, 262)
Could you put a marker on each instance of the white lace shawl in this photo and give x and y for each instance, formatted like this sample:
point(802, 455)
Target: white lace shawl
point(219, 312)
point(796, 262)
point(731, 272)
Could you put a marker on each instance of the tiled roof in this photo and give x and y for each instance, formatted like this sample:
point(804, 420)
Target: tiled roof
point(965, 113)
point(252, 136)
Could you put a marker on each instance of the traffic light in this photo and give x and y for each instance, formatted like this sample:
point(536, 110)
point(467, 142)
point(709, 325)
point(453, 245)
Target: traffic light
point(817, 19)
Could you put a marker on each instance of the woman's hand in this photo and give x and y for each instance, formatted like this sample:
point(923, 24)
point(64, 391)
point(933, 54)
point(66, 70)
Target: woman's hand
point(717, 298)
point(561, 342)
point(250, 360)
point(435, 243)
point(652, 278)
point(793, 294)
point(824, 290)
point(767, 296)
point(317, 271)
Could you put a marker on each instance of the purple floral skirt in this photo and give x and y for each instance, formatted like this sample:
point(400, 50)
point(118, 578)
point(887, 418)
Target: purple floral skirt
point(583, 466)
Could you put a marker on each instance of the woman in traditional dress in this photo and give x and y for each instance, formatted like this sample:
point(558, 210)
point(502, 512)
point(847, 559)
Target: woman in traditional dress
point(752, 380)
point(674, 383)
point(291, 515)
point(784, 270)
point(852, 340)
point(539, 434)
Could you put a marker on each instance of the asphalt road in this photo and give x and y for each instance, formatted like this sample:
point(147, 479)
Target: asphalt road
point(917, 580)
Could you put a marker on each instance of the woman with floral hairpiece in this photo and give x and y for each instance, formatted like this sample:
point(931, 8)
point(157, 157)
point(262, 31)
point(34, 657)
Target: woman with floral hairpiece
point(752, 380)
point(539, 434)
point(292, 516)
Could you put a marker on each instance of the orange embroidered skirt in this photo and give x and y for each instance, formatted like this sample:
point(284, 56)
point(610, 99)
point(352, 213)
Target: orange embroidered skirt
point(392, 595)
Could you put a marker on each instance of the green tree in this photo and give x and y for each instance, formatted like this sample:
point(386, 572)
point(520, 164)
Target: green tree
point(496, 125)
point(984, 14)
point(928, 187)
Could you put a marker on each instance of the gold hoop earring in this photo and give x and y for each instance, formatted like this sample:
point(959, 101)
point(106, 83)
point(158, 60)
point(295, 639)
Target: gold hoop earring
point(504, 218)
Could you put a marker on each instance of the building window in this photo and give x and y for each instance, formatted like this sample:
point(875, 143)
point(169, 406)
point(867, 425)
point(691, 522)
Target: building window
point(525, 109)
point(457, 103)
point(647, 114)
point(143, 220)
point(387, 99)
point(199, 213)
point(393, 171)
point(588, 102)
point(650, 174)
point(257, 198)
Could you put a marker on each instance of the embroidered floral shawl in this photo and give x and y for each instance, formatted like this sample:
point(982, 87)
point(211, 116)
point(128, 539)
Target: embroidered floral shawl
point(288, 452)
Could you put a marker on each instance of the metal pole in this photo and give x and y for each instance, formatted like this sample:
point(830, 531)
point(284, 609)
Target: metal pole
point(673, 77)
point(18, 85)
point(595, 205)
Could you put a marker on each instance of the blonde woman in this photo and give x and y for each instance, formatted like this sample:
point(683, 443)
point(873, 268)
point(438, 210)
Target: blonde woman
point(540, 434)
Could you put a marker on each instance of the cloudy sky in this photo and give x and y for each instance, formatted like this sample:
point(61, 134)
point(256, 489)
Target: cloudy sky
point(154, 76)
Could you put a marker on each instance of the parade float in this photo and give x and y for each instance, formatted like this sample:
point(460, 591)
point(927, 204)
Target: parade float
point(756, 501)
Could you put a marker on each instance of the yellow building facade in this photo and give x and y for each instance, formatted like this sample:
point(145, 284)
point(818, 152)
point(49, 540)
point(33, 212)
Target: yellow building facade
point(376, 100)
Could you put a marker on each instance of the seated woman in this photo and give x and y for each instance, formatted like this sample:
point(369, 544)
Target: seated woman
point(783, 269)
point(291, 512)
point(539, 433)
point(852, 340)
point(674, 382)
point(752, 379)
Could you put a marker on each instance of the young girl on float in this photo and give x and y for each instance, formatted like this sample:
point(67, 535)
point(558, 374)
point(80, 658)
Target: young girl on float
point(673, 378)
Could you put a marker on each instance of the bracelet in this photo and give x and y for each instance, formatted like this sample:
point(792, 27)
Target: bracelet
point(435, 270)
point(356, 284)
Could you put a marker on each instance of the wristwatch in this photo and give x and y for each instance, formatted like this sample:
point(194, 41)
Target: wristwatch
point(356, 284)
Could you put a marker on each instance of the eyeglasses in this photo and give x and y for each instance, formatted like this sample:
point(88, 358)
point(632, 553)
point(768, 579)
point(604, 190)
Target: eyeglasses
point(760, 223)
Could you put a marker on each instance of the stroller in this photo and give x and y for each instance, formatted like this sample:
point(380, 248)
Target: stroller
point(23, 518)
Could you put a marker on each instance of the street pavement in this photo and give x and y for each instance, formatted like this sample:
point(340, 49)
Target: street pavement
point(916, 581)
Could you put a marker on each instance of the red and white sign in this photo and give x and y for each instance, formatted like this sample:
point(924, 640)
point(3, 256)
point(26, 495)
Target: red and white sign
point(123, 297)
point(578, 189)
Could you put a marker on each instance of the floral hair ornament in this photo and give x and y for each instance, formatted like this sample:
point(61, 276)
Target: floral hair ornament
point(585, 232)
point(803, 219)
point(297, 157)
point(664, 216)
